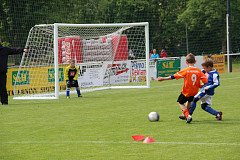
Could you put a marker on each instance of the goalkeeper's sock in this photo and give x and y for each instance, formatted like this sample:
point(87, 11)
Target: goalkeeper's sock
point(68, 92)
point(78, 91)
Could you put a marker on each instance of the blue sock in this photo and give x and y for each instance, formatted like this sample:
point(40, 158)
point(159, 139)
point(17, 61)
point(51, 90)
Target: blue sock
point(192, 107)
point(211, 110)
point(68, 92)
point(78, 91)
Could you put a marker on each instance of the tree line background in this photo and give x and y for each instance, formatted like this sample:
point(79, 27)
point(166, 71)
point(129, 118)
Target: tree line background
point(179, 26)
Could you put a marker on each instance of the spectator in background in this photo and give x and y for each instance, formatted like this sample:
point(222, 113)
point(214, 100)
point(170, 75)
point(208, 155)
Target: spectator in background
point(154, 54)
point(163, 54)
point(4, 52)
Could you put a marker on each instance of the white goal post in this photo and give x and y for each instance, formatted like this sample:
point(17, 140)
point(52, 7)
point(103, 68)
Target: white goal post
point(108, 56)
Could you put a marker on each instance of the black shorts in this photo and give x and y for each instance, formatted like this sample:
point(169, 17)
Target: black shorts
point(72, 83)
point(183, 99)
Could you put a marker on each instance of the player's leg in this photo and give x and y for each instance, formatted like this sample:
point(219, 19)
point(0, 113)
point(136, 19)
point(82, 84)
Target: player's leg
point(68, 89)
point(206, 106)
point(184, 110)
point(78, 92)
point(181, 101)
point(77, 88)
point(182, 116)
point(3, 89)
point(196, 98)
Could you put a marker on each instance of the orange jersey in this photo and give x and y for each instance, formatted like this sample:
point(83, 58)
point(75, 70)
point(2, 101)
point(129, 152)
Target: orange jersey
point(192, 80)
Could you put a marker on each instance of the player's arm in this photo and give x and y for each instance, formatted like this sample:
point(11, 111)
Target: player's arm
point(166, 78)
point(12, 51)
point(215, 84)
point(202, 85)
point(203, 71)
point(66, 73)
point(76, 75)
point(181, 74)
point(204, 79)
point(178, 75)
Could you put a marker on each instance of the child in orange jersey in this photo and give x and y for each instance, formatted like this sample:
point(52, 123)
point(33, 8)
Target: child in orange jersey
point(193, 77)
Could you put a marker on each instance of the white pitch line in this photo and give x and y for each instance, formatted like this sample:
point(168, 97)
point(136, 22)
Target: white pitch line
point(119, 142)
point(199, 143)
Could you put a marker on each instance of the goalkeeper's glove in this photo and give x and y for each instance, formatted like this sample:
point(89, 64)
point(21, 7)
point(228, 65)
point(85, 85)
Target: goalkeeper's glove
point(68, 84)
point(75, 83)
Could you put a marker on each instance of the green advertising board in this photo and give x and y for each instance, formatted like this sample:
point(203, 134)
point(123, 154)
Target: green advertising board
point(51, 76)
point(166, 67)
point(22, 79)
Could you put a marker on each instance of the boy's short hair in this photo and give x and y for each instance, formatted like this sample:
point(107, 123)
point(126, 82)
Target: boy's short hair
point(208, 63)
point(190, 58)
point(72, 60)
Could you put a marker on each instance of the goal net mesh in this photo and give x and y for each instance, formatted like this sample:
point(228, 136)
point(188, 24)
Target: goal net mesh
point(107, 56)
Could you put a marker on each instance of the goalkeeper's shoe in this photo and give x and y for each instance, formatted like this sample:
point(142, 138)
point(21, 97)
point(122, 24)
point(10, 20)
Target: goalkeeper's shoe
point(189, 119)
point(219, 116)
point(182, 117)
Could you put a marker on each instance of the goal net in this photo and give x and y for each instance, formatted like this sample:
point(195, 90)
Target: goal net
point(108, 56)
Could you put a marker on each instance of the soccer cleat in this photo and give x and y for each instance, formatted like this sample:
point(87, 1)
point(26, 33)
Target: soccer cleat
point(68, 97)
point(4, 103)
point(219, 116)
point(80, 95)
point(182, 117)
point(189, 119)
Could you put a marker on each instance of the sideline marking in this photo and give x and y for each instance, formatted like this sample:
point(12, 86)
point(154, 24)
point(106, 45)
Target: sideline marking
point(120, 142)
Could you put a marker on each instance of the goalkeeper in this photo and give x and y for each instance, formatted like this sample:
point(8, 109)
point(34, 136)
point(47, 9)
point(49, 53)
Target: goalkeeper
point(71, 74)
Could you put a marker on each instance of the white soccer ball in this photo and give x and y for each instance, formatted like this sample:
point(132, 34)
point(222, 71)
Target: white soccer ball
point(153, 117)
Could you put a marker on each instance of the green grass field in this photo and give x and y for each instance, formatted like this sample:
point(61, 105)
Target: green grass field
point(99, 126)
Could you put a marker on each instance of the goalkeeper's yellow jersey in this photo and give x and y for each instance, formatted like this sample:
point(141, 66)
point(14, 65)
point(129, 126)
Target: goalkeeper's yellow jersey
point(71, 73)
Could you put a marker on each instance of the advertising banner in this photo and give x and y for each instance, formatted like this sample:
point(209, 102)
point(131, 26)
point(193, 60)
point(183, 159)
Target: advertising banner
point(218, 62)
point(29, 80)
point(166, 67)
point(152, 70)
point(198, 64)
point(91, 75)
point(138, 71)
point(104, 73)
point(116, 73)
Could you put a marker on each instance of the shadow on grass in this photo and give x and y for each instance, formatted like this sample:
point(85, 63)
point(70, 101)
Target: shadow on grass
point(213, 121)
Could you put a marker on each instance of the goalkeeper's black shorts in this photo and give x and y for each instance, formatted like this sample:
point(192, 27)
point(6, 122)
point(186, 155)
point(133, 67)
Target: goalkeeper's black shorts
point(73, 83)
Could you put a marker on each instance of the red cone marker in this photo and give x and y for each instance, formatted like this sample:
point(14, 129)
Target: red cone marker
point(138, 137)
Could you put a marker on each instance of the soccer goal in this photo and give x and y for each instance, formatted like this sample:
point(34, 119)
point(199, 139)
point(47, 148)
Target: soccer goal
point(108, 56)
